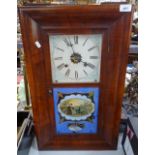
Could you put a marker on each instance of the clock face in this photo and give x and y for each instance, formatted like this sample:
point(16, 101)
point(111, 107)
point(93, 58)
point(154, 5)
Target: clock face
point(75, 58)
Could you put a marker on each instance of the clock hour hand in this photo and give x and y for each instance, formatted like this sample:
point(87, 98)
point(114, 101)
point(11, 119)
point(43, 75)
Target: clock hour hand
point(88, 64)
point(72, 49)
point(61, 66)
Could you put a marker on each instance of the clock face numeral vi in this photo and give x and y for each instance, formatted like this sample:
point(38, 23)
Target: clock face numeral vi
point(76, 75)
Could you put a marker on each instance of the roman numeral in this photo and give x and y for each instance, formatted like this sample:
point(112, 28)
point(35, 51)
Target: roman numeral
point(76, 75)
point(61, 66)
point(85, 72)
point(76, 39)
point(93, 57)
point(68, 43)
point(90, 49)
point(85, 42)
point(58, 58)
point(60, 49)
point(91, 65)
point(67, 72)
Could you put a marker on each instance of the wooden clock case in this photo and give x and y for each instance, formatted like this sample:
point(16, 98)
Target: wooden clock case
point(37, 23)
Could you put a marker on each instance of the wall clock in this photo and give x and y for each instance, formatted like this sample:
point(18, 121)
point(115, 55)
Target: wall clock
point(76, 60)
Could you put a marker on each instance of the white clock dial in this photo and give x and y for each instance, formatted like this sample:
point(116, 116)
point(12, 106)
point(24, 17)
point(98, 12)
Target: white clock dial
point(75, 58)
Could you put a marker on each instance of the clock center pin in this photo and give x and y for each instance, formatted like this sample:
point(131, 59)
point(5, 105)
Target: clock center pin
point(75, 58)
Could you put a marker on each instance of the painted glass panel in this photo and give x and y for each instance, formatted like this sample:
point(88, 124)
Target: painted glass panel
point(76, 110)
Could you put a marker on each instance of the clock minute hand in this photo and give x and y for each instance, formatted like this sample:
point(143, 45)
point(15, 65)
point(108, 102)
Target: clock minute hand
point(72, 49)
point(71, 46)
point(88, 64)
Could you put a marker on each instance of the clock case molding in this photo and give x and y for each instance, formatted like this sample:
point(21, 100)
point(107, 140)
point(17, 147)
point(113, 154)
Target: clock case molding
point(40, 21)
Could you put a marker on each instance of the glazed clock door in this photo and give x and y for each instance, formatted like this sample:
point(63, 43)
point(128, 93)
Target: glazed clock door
point(76, 60)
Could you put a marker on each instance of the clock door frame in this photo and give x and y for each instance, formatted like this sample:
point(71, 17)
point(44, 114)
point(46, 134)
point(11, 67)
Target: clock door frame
point(37, 23)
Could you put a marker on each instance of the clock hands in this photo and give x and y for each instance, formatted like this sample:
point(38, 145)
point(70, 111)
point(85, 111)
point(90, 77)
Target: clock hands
point(88, 64)
point(76, 58)
point(61, 66)
point(71, 45)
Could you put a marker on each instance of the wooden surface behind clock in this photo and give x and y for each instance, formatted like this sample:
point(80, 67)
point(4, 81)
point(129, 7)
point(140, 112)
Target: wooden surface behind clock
point(76, 61)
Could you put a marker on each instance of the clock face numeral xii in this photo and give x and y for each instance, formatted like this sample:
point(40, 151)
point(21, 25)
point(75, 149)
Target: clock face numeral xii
point(76, 39)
